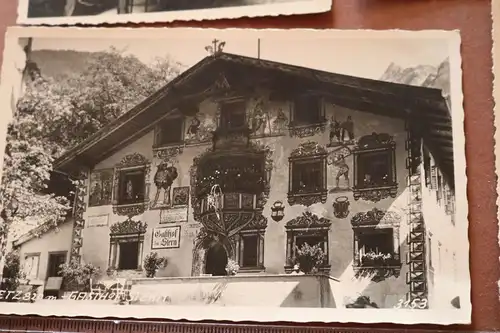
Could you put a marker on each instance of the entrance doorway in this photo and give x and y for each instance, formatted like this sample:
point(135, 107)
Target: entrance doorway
point(216, 260)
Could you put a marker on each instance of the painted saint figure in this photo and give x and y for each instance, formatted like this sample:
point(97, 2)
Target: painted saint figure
point(193, 128)
point(258, 122)
point(335, 132)
point(164, 178)
point(95, 196)
point(129, 190)
point(343, 171)
point(279, 122)
point(348, 129)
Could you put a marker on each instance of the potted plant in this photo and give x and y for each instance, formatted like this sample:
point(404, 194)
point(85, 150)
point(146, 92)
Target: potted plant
point(152, 263)
point(232, 267)
point(77, 276)
point(362, 302)
point(310, 258)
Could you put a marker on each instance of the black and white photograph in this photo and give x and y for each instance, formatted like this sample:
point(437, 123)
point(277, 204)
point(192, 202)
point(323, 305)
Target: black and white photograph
point(257, 175)
point(55, 12)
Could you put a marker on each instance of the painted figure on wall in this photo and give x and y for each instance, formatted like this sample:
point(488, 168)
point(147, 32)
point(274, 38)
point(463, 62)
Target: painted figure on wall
point(342, 172)
point(130, 190)
point(337, 159)
point(348, 130)
point(95, 194)
point(280, 122)
point(180, 196)
point(335, 133)
point(164, 178)
point(194, 127)
point(101, 184)
point(259, 121)
point(200, 129)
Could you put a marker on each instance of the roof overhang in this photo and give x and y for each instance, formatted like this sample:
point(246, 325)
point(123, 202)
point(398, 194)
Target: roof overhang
point(425, 108)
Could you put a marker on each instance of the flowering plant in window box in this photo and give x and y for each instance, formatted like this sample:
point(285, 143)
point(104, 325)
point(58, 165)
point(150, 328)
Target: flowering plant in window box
point(310, 258)
point(232, 267)
point(377, 266)
point(373, 259)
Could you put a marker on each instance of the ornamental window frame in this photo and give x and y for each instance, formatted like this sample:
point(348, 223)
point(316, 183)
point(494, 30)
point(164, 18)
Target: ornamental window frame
point(128, 231)
point(256, 228)
point(375, 144)
point(308, 152)
point(377, 221)
point(307, 225)
point(131, 163)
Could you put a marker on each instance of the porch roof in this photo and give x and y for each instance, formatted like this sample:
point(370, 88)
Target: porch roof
point(425, 108)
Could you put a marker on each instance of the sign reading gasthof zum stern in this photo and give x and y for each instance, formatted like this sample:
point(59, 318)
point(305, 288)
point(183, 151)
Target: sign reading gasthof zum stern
point(166, 238)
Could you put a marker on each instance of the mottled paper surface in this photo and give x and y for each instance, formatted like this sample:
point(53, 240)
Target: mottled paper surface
point(270, 175)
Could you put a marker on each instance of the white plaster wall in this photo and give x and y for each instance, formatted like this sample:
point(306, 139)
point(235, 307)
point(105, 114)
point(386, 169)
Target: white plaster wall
point(96, 239)
point(56, 240)
point(441, 249)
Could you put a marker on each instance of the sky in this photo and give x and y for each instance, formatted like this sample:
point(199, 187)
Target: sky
point(364, 57)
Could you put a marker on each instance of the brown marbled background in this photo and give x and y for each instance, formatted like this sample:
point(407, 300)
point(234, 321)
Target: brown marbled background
point(473, 19)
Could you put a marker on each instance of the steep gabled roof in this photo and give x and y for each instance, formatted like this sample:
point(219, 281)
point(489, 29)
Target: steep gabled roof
point(424, 106)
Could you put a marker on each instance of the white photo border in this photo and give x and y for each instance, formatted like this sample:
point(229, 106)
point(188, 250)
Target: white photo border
point(262, 314)
point(292, 7)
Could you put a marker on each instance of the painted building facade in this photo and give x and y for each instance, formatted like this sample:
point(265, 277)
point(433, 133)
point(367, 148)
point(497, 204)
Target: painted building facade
point(213, 168)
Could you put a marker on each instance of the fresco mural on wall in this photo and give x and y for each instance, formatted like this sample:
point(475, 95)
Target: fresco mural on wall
point(166, 174)
point(340, 169)
point(180, 196)
point(341, 207)
point(280, 122)
point(265, 118)
point(199, 129)
point(341, 132)
point(259, 118)
point(101, 186)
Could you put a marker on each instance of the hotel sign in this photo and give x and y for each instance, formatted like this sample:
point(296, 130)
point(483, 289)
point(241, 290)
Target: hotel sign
point(166, 238)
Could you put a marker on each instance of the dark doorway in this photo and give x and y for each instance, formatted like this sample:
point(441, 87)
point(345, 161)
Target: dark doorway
point(216, 261)
point(129, 255)
point(54, 264)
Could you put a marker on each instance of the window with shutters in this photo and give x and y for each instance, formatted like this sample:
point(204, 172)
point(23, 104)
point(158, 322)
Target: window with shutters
point(427, 167)
point(31, 265)
point(434, 172)
point(439, 193)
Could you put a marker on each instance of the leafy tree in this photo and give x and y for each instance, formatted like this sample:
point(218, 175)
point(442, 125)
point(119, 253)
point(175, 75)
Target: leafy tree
point(56, 113)
point(76, 105)
point(12, 272)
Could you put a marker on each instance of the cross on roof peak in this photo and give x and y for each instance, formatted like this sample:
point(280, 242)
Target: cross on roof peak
point(216, 47)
